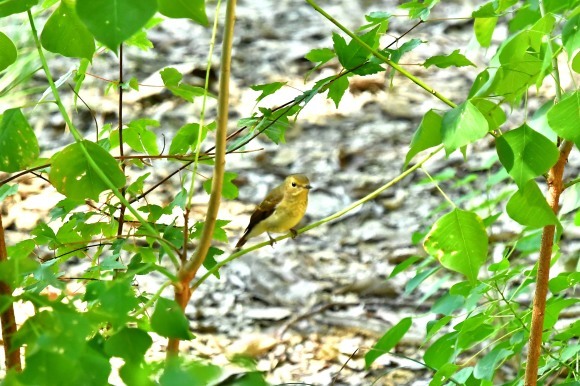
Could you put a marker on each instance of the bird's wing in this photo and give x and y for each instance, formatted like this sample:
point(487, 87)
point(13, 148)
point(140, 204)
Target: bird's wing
point(266, 208)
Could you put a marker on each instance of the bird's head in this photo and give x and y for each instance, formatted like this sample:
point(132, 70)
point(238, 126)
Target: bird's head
point(297, 184)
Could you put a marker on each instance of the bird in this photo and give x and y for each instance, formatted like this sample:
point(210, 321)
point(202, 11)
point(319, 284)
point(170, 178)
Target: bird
point(281, 210)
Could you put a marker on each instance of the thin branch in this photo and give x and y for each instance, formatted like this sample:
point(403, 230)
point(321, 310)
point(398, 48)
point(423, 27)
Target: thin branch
point(7, 317)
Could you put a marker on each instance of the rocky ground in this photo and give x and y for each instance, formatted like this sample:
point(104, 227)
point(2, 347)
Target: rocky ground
point(307, 310)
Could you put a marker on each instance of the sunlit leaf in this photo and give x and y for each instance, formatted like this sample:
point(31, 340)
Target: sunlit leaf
point(191, 9)
point(18, 143)
point(462, 125)
point(388, 341)
point(564, 116)
point(229, 189)
point(8, 50)
point(65, 34)
point(526, 154)
point(529, 207)
point(459, 241)
point(428, 135)
point(453, 59)
point(72, 175)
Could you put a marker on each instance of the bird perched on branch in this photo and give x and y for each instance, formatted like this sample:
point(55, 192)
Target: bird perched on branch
point(281, 210)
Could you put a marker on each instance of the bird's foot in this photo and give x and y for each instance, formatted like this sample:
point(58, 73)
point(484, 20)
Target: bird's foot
point(294, 233)
point(272, 241)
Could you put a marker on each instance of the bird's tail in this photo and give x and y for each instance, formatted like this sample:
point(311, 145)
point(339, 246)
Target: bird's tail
point(242, 240)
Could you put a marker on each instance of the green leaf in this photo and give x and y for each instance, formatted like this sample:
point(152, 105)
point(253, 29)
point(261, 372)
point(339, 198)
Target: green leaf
point(113, 22)
point(427, 135)
point(267, 89)
point(320, 55)
point(571, 35)
point(563, 118)
point(172, 80)
point(8, 190)
point(10, 7)
point(190, 9)
point(19, 264)
point(9, 53)
point(352, 55)
point(553, 309)
point(486, 366)
point(526, 154)
point(72, 175)
point(138, 137)
point(434, 326)
point(111, 302)
point(397, 54)
point(419, 8)
point(388, 341)
point(180, 373)
point(219, 233)
point(529, 207)
point(229, 189)
point(377, 18)
point(402, 266)
point(187, 138)
point(483, 28)
point(130, 344)
point(492, 112)
point(65, 34)
point(576, 63)
point(209, 262)
point(18, 143)
point(441, 352)
point(168, 320)
point(459, 241)
point(453, 59)
point(337, 89)
point(462, 125)
point(447, 304)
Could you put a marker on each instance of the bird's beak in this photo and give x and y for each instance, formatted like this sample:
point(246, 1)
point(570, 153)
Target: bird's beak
point(308, 187)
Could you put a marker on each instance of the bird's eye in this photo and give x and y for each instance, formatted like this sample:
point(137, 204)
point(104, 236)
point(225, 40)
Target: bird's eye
point(294, 184)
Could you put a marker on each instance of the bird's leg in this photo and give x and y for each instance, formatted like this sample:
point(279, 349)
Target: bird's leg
point(272, 241)
point(294, 233)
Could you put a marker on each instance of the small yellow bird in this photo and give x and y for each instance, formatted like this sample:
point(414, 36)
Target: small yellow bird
point(281, 210)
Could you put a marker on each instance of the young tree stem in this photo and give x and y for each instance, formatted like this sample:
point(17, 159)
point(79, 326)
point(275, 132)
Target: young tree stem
point(7, 318)
point(555, 187)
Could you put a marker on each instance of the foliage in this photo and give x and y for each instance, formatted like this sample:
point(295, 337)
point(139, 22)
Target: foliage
point(479, 328)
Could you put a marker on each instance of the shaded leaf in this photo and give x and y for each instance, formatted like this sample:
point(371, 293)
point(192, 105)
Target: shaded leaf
point(190, 9)
point(229, 189)
point(388, 341)
point(130, 344)
point(168, 320)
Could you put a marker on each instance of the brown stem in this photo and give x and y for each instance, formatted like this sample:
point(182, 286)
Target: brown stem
point(190, 268)
point(7, 318)
point(555, 187)
point(121, 145)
